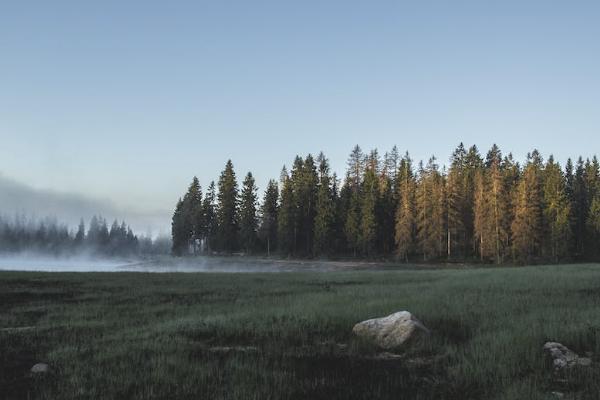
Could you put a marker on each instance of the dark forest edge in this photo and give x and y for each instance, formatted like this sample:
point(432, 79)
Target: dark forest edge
point(50, 237)
point(488, 209)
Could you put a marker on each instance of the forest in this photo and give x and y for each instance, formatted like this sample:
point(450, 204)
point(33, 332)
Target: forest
point(490, 209)
point(50, 237)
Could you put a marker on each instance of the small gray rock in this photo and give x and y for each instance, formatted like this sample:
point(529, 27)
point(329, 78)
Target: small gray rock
point(392, 331)
point(564, 358)
point(39, 368)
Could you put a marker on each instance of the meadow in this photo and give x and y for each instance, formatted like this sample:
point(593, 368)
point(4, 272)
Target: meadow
point(288, 335)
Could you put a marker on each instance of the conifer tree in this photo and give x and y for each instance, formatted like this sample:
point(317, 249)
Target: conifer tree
point(353, 219)
point(192, 210)
point(227, 211)
point(581, 208)
point(368, 222)
point(430, 202)
point(209, 217)
point(355, 167)
point(457, 208)
point(80, 235)
point(405, 214)
point(269, 211)
point(499, 203)
point(557, 210)
point(306, 198)
point(481, 215)
point(592, 190)
point(527, 225)
point(325, 210)
point(287, 216)
point(473, 163)
point(387, 202)
point(248, 217)
point(178, 231)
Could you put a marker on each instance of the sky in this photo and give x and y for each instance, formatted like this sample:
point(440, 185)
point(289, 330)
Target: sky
point(127, 101)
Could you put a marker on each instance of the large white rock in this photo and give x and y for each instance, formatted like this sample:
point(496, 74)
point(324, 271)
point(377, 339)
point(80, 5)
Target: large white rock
point(392, 331)
point(562, 357)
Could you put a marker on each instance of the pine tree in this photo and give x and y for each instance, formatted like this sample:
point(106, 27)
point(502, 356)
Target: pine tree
point(557, 210)
point(325, 210)
point(227, 211)
point(481, 215)
point(80, 235)
point(306, 198)
point(527, 225)
point(352, 221)
point(269, 211)
point(355, 167)
point(456, 234)
point(178, 231)
point(405, 214)
point(581, 208)
point(248, 217)
point(209, 217)
point(473, 163)
point(593, 226)
point(430, 203)
point(570, 193)
point(498, 203)
point(192, 214)
point(368, 223)
point(287, 216)
point(387, 202)
point(592, 190)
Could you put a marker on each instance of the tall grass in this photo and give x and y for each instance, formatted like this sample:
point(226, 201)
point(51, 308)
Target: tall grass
point(129, 335)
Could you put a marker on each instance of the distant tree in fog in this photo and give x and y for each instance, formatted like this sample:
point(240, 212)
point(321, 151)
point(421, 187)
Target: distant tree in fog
point(50, 237)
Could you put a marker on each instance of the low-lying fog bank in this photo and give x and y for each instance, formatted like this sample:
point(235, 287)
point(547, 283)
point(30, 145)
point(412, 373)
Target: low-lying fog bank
point(174, 264)
point(63, 264)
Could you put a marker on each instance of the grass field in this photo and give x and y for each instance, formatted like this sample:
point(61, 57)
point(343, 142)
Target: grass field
point(281, 336)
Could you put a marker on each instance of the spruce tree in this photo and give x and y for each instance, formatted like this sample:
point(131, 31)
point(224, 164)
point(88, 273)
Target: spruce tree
point(557, 210)
point(499, 204)
point(209, 217)
point(592, 190)
point(430, 203)
point(405, 214)
point(387, 202)
point(227, 211)
point(527, 225)
point(286, 217)
point(179, 233)
point(192, 214)
point(581, 208)
point(368, 222)
point(80, 235)
point(325, 210)
point(248, 216)
point(457, 209)
point(269, 214)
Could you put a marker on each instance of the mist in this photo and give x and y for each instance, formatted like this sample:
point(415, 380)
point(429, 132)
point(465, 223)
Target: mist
point(167, 264)
point(17, 197)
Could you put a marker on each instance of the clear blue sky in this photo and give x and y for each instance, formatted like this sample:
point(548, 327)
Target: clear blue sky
point(129, 100)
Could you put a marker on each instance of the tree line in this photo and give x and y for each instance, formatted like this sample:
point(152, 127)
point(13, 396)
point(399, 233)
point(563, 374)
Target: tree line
point(489, 208)
point(48, 236)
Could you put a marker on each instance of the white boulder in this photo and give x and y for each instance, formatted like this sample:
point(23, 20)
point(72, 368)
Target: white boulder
point(392, 331)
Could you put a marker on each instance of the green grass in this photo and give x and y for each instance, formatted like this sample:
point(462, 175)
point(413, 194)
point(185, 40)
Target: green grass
point(129, 335)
